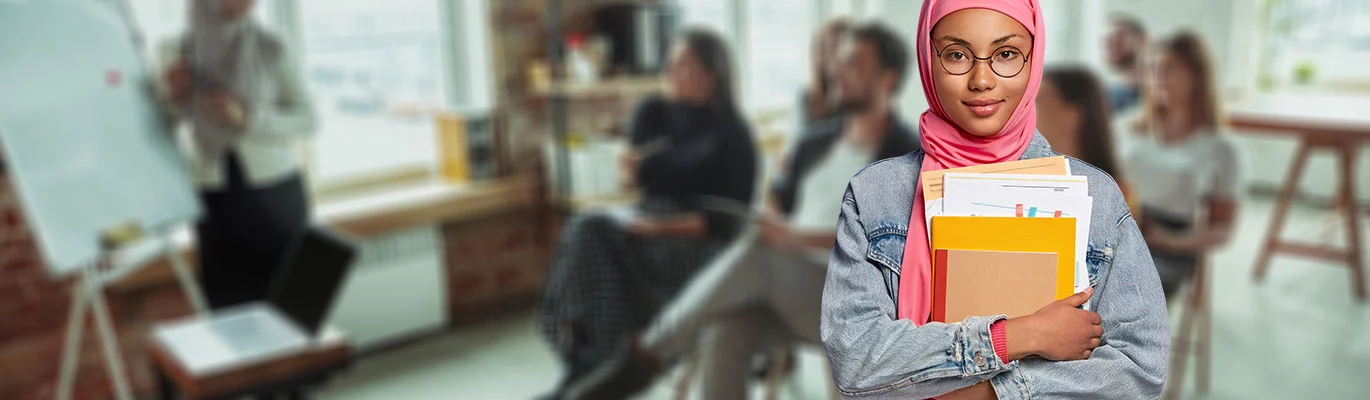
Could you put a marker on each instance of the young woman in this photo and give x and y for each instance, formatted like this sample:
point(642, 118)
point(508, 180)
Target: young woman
point(1184, 170)
point(239, 87)
point(610, 276)
point(1072, 114)
point(980, 63)
point(816, 102)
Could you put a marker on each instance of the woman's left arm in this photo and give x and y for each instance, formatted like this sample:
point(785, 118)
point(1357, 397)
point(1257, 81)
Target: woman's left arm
point(291, 113)
point(1222, 216)
point(1131, 360)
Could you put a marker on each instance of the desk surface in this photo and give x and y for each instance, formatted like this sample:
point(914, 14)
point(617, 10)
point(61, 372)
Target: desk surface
point(329, 356)
point(1324, 114)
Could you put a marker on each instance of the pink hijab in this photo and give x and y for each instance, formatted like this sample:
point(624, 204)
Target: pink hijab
point(949, 146)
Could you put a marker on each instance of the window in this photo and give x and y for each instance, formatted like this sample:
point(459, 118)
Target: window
point(162, 23)
point(713, 14)
point(777, 60)
point(769, 38)
point(1322, 43)
point(376, 72)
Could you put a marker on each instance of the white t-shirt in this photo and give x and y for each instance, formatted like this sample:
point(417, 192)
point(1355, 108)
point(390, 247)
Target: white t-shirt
point(819, 200)
point(1177, 179)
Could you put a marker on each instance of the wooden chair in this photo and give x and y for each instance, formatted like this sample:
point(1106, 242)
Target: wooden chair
point(1196, 315)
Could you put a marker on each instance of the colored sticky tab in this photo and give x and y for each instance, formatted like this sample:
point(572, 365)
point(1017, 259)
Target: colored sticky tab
point(1032, 212)
point(1018, 211)
point(1058, 214)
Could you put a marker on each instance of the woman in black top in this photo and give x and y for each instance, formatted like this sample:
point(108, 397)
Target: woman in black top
point(693, 157)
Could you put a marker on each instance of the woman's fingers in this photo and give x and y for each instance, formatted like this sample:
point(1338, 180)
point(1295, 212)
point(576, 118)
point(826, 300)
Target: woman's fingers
point(1098, 331)
point(1094, 343)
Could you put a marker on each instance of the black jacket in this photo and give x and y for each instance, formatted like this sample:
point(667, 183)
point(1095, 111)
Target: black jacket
point(814, 142)
point(710, 155)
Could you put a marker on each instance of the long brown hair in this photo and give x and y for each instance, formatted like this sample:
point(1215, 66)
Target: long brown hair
point(819, 85)
point(1083, 90)
point(712, 52)
point(1189, 49)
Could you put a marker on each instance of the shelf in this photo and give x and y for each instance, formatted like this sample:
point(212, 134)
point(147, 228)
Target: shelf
point(608, 88)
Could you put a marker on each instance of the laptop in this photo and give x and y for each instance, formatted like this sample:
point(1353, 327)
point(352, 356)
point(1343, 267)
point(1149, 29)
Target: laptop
point(307, 285)
point(290, 320)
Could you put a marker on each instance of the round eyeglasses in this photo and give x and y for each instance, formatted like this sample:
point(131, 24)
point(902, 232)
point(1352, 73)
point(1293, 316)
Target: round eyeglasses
point(1007, 61)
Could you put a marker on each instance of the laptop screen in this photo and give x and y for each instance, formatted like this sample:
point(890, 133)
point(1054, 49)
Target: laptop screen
point(314, 270)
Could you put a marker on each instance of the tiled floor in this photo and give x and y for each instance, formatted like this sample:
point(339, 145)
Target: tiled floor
point(1298, 335)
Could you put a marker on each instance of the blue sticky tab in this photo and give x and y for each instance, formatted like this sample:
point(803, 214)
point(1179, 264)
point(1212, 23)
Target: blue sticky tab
point(1032, 212)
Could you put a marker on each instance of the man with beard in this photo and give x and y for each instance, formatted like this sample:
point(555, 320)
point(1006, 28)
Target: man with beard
point(771, 288)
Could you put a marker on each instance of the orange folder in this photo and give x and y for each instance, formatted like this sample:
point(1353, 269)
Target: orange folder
point(1045, 235)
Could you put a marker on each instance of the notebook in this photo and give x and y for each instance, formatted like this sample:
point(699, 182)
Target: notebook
point(1048, 235)
point(980, 283)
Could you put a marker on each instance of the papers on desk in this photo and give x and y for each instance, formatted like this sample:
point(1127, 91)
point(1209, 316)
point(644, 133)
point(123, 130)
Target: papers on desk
point(235, 337)
point(1015, 211)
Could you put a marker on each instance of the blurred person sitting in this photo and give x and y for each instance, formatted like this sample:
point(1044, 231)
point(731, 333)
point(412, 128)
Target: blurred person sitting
point(1183, 168)
point(816, 102)
point(1123, 46)
point(239, 86)
point(1073, 116)
point(772, 292)
point(612, 274)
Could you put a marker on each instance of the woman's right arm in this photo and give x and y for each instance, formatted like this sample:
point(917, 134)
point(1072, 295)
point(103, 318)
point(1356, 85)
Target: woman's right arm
point(873, 353)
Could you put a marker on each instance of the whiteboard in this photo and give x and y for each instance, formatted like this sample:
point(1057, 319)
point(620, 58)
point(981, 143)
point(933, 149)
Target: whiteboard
point(81, 130)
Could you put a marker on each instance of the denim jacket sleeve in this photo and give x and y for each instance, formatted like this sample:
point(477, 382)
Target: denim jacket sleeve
point(1131, 362)
point(876, 355)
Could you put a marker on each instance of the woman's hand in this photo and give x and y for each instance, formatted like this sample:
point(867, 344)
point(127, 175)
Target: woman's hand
point(775, 231)
point(227, 109)
point(1058, 332)
point(690, 226)
point(178, 82)
point(628, 162)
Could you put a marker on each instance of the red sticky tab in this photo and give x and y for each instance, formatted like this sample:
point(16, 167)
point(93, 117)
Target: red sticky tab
point(113, 77)
point(1018, 210)
point(1058, 214)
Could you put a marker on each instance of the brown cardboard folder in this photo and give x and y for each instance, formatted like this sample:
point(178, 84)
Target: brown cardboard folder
point(982, 283)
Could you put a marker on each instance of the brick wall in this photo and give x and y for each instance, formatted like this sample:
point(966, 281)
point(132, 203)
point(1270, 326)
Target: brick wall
point(493, 259)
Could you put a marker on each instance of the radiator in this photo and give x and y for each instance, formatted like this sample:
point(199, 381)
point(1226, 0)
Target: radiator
point(397, 289)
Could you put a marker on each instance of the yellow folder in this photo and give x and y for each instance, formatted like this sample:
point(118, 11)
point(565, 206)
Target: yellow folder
point(1047, 235)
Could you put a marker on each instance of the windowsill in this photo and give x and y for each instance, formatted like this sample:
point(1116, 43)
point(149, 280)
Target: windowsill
point(373, 214)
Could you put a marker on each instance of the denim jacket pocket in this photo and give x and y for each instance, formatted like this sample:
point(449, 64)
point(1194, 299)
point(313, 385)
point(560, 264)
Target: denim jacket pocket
point(886, 251)
point(1098, 258)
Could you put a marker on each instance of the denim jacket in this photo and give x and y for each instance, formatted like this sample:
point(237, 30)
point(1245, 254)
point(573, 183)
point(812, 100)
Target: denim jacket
point(874, 354)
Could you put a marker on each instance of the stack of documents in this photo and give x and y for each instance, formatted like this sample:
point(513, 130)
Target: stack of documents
point(1005, 235)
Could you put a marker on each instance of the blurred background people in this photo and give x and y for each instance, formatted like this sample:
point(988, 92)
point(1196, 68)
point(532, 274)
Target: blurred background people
point(1074, 117)
point(1183, 167)
point(771, 293)
point(1126, 41)
point(817, 102)
point(239, 87)
point(610, 274)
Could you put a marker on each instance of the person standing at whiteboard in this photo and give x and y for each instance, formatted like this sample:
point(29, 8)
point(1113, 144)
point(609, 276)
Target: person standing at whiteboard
point(240, 90)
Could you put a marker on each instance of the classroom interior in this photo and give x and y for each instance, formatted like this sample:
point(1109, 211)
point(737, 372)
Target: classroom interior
point(453, 153)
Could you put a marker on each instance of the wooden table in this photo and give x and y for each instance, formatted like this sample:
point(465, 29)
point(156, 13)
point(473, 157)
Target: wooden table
point(1340, 124)
point(280, 375)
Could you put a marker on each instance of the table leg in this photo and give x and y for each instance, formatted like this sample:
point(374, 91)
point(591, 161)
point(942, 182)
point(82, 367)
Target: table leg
point(1348, 199)
point(1272, 234)
point(1204, 311)
point(165, 389)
